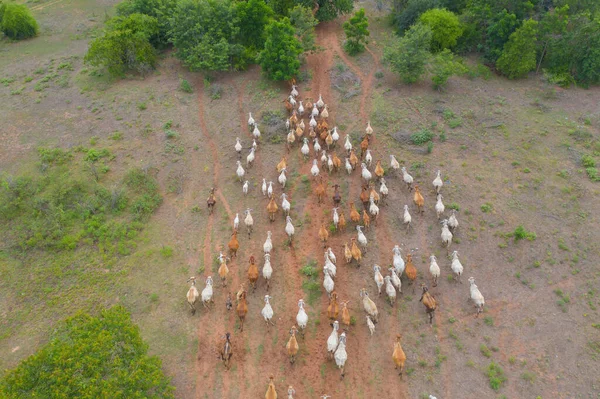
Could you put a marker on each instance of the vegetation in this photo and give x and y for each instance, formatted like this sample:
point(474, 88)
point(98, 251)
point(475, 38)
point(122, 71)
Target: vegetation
point(63, 209)
point(279, 59)
point(520, 234)
point(204, 34)
point(562, 40)
point(16, 21)
point(445, 64)
point(408, 55)
point(421, 137)
point(90, 357)
point(495, 375)
point(519, 55)
point(304, 23)
point(356, 29)
point(445, 28)
point(125, 45)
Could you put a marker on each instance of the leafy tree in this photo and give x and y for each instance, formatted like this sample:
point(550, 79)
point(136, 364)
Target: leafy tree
point(552, 27)
point(357, 30)
point(408, 56)
point(125, 45)
point(17, 22)
point(279, 59)
point(253, 16)
point(282, 8)
point(204, 33)
point(519, 56)
point(304, 22)
point(327, 10)
point(409, 12)
point(577, 52)
point(504, 24)
point(444, 65)
point(445, 28)
point(162, 10)
point(89, 358)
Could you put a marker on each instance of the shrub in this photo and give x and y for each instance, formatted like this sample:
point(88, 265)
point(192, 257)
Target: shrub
point(421, 137)
point(91, 357)
point(520, 233)
point(17, 22)
point(185, 86)
point(279, 59)
point(519, 54)
point(588, 161)
point(496, 376)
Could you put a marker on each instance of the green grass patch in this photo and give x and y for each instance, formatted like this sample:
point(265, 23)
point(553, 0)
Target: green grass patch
point(311, 284)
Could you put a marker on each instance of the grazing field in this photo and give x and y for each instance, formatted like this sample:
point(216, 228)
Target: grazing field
point(518, 161)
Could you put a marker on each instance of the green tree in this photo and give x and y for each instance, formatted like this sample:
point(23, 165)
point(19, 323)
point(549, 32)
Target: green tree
point(304, 22)
point(89, 358)
point(444, 65)
point(17, 22)
point(577, 52)
point(162, 10)
point(408, 12)
point(357, 31)
point(279, 59)
point(125, 45)
point(282, 8)
point(552, 27)
point(253, 17)
point(519, 55)
point(498, 32)
point(205, 33)
point(409, 55)
point(445, 28)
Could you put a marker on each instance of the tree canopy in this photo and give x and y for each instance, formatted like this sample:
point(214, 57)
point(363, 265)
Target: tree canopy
point(304, 22)
point(279, 58)
point(205, 33)
point(125, 45)
point(518, 56)
point(91, 357)
point(253, 17)
point(357, 31)
point(445, 28)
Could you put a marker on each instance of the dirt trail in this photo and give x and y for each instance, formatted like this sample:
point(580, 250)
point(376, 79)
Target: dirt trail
point(362, 353)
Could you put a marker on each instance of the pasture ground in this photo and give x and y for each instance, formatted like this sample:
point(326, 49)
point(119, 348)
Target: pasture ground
point(510, 154)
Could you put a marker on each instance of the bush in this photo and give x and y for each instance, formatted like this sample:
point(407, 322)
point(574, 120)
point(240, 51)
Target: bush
point(588, 162)
point(496, 376)
point(17, 22)
point(185, 86)
point(520, 233)
point(421, 137)
point(91, 357)
point(406, 17)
